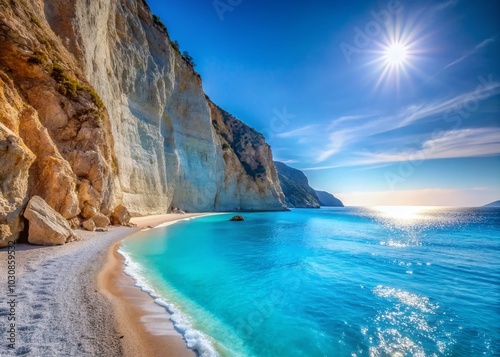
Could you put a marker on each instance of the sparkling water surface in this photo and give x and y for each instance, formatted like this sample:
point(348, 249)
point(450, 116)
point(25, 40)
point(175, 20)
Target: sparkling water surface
point(386, 281)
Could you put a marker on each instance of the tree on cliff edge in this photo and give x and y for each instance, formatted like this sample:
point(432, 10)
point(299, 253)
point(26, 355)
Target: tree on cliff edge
point(188, 58)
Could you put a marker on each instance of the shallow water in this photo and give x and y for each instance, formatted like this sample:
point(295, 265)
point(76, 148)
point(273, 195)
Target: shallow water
point(388, 281)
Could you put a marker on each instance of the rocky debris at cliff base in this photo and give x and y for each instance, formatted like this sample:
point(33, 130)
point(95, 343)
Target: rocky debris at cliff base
point(176, 210)
point(237, 219)
point(74, 222)
point(120, 216)
point(15, 160)
point(46, 226)
point(89, 225)
point(100, 220)
point(88, 212)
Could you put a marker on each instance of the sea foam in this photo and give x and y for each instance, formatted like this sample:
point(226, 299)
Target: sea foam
point(194, 339)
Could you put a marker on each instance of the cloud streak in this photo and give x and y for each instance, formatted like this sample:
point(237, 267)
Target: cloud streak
point(410, 115)
point(453, 144)
point(471, 52)
point(306, 130)
point(449, 145)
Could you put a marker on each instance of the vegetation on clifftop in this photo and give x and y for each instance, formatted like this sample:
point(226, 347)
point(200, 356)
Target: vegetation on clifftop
point(175, 44)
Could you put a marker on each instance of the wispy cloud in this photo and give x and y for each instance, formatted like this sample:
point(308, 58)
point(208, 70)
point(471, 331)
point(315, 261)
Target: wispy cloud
point(288, 161)
point(477, 142)
point(469, 53)
point(443, 5)
point(347, 119)
point(306, 130)
point(348, 135)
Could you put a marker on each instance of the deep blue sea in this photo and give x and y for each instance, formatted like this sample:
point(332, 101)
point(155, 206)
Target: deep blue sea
point(386, 281)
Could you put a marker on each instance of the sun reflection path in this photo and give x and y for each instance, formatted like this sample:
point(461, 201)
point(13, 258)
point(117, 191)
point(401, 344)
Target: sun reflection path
point(404, 213)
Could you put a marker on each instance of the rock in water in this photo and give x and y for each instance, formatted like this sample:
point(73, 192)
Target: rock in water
point(46, 226)
point(237, 219)
point(120, 216)
point(15, 160)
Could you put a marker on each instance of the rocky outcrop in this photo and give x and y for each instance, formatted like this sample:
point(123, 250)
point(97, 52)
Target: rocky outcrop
point(15, 160)
point(296, 187)
point(237, 219)
point(46, 226)
point(328, 200)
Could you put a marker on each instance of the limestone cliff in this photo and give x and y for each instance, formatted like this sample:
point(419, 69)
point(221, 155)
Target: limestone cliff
point(113, 114)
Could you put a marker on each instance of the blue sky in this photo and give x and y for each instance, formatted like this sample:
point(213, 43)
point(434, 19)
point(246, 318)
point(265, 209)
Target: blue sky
point(379, 102)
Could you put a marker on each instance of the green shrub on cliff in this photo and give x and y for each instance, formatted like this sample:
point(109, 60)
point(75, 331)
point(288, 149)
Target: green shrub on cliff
point(38, 58)
point(188, 58)
point(69, 86)
point(176, 46)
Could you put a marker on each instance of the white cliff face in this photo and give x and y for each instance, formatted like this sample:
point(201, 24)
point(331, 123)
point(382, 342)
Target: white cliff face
point(99, 110)
point(167, 150)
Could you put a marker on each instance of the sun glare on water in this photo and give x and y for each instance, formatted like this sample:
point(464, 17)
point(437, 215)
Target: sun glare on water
point(403, 213)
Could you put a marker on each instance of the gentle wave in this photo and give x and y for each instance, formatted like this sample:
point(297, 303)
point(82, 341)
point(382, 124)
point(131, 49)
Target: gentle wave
point(195, 340)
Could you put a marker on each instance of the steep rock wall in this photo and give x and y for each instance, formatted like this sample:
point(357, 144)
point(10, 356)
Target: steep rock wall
point(169, 153)
point(58, 116)
point(114, 114)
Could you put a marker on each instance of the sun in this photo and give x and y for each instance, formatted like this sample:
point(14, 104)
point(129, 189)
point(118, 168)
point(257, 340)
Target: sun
point(396, 54)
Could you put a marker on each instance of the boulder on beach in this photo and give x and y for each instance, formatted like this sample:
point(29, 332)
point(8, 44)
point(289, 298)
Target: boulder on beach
point(89, 225)
point(15, 161)
point(120, 216)
point(88, 211)
point(46, 226)
point(100, 220)
point(237, 219)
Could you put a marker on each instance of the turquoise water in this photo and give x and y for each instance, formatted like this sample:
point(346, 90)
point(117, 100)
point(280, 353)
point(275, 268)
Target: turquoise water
point(393, 281)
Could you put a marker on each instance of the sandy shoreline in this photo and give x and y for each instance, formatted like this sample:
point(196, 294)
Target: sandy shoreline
point(75, 300)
